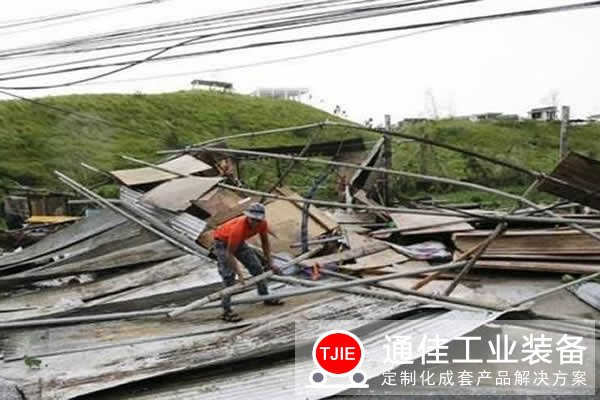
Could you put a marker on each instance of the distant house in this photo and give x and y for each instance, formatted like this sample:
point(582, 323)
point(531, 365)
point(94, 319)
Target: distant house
point(594, 118)
point(489, 116)
point(414, 120)
point(544, 113)
point(225, 86)
point(281, 93)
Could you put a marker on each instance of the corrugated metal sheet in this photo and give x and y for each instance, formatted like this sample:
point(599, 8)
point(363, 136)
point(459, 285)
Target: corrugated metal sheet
point(588, 292)
point(73, 374)
point(177, 194)
point(582, 173)
point(77, 232)
point(184, 223)
point(188, 225)
point(185, 165)
point(277, 381)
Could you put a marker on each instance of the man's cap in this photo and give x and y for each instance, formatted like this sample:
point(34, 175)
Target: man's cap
point(255, 211)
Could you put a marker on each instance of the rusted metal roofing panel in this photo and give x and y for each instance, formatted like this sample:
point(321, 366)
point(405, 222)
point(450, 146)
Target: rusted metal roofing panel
point(177, 194)
point(581, 173)
point(185, 165)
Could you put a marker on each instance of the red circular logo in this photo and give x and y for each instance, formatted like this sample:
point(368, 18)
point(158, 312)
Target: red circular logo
point(338, 352)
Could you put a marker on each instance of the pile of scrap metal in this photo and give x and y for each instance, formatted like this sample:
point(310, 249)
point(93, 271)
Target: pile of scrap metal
point(106, 307)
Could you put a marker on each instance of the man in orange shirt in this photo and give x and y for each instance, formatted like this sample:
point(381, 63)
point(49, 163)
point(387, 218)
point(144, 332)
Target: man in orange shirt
point(230, 244)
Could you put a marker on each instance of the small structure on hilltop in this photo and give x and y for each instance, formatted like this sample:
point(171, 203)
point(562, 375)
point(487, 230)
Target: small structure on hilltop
point(544, 113)
point(224, 86)
point(281, 93)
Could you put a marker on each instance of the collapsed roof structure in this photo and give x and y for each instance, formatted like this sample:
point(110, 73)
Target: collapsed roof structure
point(113, 304)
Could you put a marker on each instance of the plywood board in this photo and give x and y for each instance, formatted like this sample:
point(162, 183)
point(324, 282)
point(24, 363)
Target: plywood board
point(285, 221)
point(184, 165)
point(376, 260)
point(319, 216)
point(178, 194)
point(343, 255)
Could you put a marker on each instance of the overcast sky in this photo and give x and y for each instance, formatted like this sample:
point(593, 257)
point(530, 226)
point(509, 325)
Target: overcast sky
point(499, 66)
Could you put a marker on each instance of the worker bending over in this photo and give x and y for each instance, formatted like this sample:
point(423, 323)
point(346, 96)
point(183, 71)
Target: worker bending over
point(230, 244)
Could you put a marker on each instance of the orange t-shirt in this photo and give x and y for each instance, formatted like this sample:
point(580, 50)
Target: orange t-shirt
point(237, 230)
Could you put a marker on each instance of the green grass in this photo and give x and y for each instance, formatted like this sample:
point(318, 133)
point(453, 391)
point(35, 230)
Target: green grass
point(35, 140)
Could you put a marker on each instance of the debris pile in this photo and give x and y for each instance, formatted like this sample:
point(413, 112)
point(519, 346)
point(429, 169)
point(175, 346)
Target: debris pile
point(131, 293)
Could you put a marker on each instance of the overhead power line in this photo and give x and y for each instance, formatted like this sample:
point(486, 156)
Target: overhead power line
point(274, 60)
point(246, 32)
point(39, 20)
point(155, 56)
point(205, 21)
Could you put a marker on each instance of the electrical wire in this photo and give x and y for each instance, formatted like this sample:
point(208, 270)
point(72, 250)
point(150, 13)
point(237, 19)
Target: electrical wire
point(155, 56)
point(242, 35)
point(273, 61)
point(40, 20)
point(232, 16)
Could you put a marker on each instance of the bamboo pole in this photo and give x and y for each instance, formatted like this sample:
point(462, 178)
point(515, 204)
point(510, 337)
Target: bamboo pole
point(227, 291)
point(240, 286)
point(323, 203)
point(574, 224)
point(333, 286)
point(253, 134)
point(379, 294)
point(420, 296)
point(408, 138)
point(555, 289)
point(497, 232)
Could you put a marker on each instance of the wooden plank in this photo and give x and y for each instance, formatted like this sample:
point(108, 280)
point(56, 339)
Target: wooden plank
point(549, 242)
point(323, 219)
point(222, 204)
point(177, 194)
point(357, 241)
point(184, 165)
point(361, 196)
point(343, 255)
point(534, 266)
point(420, 224)
point(376, 260)
point(585, 258)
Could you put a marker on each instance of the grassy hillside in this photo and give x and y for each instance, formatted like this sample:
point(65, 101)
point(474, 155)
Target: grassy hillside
point(37, 140)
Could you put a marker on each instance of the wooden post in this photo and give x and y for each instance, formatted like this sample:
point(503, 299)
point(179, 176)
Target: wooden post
point(387, 159)
point(564, 132)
